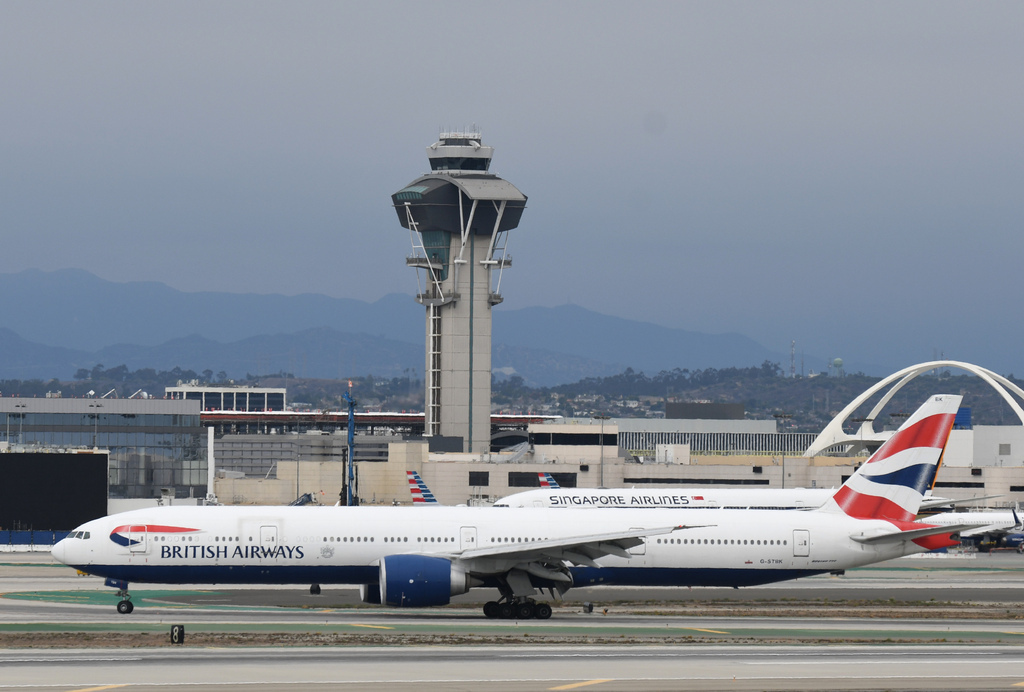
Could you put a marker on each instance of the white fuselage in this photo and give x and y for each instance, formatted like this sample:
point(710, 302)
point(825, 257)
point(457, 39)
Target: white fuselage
point(658, 498)
point(344, 544)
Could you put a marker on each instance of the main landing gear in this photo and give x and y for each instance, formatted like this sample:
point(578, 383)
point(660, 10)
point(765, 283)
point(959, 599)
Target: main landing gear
point(518, 609)
point(125, 605)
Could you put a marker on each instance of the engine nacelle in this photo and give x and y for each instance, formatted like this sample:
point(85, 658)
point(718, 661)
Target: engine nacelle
point(369, 593)
point(415, 581)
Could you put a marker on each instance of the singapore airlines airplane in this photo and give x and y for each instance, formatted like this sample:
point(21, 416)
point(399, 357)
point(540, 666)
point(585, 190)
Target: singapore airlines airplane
point(685, 498)
point(405, 557)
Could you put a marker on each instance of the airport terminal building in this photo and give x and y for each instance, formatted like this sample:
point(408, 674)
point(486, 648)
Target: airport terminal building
point(158, 449)
point(153, 444)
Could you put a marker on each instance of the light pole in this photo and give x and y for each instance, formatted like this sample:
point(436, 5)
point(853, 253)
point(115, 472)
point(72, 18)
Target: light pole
point(601, 442)
point(95, 423)
point(780, 420)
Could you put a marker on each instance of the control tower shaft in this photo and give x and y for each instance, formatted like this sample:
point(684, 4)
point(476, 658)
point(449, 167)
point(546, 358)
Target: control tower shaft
point(458, 216)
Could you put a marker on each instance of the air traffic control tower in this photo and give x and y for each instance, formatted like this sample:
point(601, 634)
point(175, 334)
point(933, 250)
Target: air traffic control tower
point(458, 217)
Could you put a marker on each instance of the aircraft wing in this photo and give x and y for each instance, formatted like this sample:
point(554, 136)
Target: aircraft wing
point(933, 502)
point(578, 550)
point(896, 536)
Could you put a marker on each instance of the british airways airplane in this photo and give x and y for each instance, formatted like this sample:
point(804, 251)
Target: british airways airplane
point(405, 557)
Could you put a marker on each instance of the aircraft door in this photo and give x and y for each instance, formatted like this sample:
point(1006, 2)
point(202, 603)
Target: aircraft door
point(467, 537)
point(268, 537)
point(137, 539)
point(801, 543)
point(638, 549)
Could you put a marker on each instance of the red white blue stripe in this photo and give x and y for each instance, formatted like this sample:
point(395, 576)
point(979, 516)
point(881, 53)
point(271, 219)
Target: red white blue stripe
point(420, 492)
point(547, 480)
point(123, 535)
point(892, 483)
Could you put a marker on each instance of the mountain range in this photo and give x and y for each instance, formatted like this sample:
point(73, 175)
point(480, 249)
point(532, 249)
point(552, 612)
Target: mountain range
point(57, 322)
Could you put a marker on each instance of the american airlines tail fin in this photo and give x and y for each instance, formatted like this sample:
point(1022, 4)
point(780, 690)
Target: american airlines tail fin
point(546, 480)
point(420, 492)
point(891, 484)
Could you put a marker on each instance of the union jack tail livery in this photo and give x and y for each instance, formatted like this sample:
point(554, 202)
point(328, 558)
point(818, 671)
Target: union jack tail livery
point(891, 484)
point(546, 480)
point(420, 492)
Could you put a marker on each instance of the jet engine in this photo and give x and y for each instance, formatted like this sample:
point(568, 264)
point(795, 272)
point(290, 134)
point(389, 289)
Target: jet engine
point(414, 581)
point(369, 593)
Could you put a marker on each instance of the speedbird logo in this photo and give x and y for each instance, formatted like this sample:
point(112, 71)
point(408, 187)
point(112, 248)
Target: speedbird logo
point(126, 535)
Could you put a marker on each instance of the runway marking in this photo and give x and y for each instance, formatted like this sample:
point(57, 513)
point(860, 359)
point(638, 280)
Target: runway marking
point(574, 685)
point(372, 627)
point(698, 629)
point(97, 689)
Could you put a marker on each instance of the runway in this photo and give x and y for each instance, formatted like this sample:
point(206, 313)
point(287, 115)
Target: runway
point(603, 669)
point(971, 636)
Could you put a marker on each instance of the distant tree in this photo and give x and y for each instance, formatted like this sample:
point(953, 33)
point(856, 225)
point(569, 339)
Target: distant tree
point(82, 374)
point(208, 375)
point(120, 373)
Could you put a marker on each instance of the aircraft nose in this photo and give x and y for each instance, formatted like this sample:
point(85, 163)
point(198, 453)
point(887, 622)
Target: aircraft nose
point(59, 551)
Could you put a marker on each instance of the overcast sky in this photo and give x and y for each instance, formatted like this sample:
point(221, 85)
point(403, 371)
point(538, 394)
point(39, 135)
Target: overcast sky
point(846, 175)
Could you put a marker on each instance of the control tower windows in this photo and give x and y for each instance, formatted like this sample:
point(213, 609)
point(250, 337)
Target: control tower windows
point(459, 163)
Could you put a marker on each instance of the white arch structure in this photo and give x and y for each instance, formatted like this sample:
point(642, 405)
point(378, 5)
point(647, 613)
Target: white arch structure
point(833, 438)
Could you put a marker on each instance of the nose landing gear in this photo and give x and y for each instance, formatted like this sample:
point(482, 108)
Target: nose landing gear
point(125, 605)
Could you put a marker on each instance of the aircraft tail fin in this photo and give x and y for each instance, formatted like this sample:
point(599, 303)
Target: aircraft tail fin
point(546, 480)
point(420, 492)
point(891, 484)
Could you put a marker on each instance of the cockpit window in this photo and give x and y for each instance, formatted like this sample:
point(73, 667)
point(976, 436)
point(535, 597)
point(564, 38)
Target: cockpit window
point(80, 534)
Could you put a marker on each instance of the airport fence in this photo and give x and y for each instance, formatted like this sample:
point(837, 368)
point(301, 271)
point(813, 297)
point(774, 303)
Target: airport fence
point(29, 541)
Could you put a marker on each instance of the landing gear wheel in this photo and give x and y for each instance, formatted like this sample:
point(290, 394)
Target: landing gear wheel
point(314, 590)
point(542, 611)
point(524, 610)
point(125, 607)
point(492, 610)
point(506, 611)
